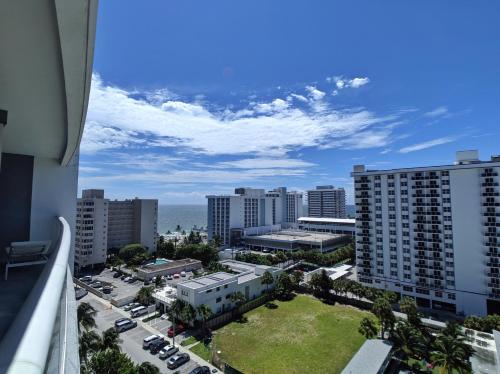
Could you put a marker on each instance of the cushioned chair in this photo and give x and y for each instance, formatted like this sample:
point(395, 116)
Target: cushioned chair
point(26, 254)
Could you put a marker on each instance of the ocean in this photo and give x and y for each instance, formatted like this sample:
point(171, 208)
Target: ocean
point(187, 216)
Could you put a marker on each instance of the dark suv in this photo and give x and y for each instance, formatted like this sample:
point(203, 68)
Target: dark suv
point(157, 347)
point(200, 370)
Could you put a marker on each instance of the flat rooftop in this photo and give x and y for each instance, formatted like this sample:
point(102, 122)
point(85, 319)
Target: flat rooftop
point(208, 280)
point(350, 221)
point(168, 265)
point(297, 236)
point(370, 357)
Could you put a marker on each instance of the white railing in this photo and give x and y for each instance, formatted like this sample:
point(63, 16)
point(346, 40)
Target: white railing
point(25, 347)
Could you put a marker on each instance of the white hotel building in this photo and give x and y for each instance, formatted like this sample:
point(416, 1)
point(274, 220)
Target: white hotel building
point(432, 233)
point(250, 207)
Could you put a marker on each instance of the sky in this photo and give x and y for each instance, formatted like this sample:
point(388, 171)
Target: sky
point(191, 98)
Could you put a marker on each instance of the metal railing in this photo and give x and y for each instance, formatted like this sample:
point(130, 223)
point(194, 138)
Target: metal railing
point(45, 327)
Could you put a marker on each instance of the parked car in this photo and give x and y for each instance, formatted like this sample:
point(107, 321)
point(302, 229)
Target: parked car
point(139, 311)
point(183, 273)
point(151, 339)
point(131, 306)
point(117, 274)
point(168, 351)
point(96, 284)
point(86, 279)
point(176, 276)
point(126, 325)
point(124, 276)
point(119, 320)
point(157, 347)
point(178, 360)
point(200, 370)
point(80, 292)
point(178, 329)
point(132, 280)
point(127, 279)
point(169, 277)
point(147, 282)
point(107, 289)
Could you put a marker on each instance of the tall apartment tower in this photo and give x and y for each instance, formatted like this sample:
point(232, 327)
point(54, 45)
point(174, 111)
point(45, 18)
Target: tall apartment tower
point(102, 224)
point(250, 207)
point(91, 239)
point(326, 201)
point(133, 221)
point(432, 233)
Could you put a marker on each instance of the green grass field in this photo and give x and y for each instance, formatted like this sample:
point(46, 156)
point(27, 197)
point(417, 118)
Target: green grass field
point(299, 336)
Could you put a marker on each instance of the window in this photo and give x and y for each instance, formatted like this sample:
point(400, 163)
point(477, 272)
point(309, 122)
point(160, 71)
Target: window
point(451, 296)
point(407, 288)
point(218, 300)
point(208, 291)
point(225, 286)
point(228, 296)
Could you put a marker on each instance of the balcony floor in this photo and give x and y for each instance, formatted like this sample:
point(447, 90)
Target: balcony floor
point(14, 291)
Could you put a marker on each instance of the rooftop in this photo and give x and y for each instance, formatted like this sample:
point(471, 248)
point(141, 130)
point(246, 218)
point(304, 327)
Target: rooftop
point(370, 357)
point(208, 280)
point(328, 220)
point(297, 236)
point(168, 265)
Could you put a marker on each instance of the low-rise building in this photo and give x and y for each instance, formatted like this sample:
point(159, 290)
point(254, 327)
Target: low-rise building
point(294, 240)
point(343, 226)
point(215, 289)
point(164, 267)
point(372, 358)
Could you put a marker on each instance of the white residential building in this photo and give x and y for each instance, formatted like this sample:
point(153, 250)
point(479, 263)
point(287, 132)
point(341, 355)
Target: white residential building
point(326, 201)
point(102, 224)
point(343, 226)
point(215, 290)
point(91, 239)
point(432, 233)
point(250, 207)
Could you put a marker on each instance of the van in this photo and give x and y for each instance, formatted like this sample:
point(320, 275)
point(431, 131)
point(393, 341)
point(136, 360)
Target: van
point(152, 339)
point(125, 325)
point(86, 279)
point(139, 311)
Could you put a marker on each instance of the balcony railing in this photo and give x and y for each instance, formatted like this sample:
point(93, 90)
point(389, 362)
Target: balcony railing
point(44, 336)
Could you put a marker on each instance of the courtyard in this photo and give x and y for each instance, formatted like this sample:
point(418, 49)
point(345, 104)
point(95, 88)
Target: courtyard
point(299, 336)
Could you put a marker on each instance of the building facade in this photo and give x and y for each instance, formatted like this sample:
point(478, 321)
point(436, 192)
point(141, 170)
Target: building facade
point(102, 224)
point(342, 226)
point(228, 215)
point(432, 233)
point(327, 202)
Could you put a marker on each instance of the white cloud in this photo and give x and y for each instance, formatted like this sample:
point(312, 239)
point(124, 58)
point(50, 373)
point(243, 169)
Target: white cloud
point(427, 144)
point(439, 111)
point(264, 163)
point(298, 97)
point(341, 82)
point(358, 82)
point(117, 118)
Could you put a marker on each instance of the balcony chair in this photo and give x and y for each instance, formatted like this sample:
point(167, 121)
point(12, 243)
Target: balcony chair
point(26, 254)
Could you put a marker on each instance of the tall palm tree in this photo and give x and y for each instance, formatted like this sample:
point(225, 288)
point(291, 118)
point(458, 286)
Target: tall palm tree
point(110, 339)
point(176, 309)
point(147, 368)
point(85, 316)
point(90, 343)
point(188, 314)
point(267, 279)
point(451, 355)
point(408, 341)
point(145, 295)
point(204, 312)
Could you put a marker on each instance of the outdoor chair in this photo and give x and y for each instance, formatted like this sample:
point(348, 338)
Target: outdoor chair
point(26, 254)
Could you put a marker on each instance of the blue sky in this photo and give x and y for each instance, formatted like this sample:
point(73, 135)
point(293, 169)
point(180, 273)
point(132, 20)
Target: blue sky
point(195, 97)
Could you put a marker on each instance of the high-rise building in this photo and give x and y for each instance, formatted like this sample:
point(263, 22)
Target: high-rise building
point(45, 72)
point(102, 224)
point(327, 202)
point(432, 233)
point(91, 234)
point(250, 207)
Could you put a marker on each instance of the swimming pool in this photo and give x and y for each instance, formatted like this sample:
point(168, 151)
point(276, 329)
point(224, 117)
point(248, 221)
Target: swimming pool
point(161, 261)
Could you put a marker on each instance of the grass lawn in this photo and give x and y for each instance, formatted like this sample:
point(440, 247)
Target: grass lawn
point(202, 350)
point(189, 341)
point(299, 336)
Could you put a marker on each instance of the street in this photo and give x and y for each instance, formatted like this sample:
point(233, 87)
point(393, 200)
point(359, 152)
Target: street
point(132, 339)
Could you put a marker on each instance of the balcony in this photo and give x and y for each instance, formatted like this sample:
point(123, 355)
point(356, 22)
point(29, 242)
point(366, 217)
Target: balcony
point(38, 328)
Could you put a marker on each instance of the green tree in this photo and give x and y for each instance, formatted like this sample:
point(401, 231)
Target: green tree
point(368, 328)
point(451, 355)
point(176, 309)
point(408, 341)
point(110, 339)
point(145, 296)
point(159, 281)
point(267, 279)
point(297, 277)
point(85, 316)
point(89, 343)
point(147, 368)
point(453, 330)
point(284, 286)
point(110, 361)
point(216, 240)
point(238, 299)
point(133, 254)
point(383, 311)
point(408, 306)
point(204, 312)
point(475, 323)
point(321, 284)
point(188, 314)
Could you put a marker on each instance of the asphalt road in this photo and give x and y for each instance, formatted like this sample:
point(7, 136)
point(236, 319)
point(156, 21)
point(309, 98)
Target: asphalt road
point(132, 339)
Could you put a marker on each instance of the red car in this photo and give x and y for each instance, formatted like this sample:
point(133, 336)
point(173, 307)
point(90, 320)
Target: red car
point(178, 329)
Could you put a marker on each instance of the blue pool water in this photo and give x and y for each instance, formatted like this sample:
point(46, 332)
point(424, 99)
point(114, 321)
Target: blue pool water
point(161, 261)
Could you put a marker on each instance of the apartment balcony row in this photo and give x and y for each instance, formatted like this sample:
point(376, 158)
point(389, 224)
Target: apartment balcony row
point(489, 184)
point(489, 174)
point(38, 328)
point(493, 275)
point(427, 177)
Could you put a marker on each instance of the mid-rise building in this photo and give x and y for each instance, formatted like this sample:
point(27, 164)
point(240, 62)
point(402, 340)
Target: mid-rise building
point(326, 202)
point(102, 224)
point(342, 226)
point(250, 207)
point(91, 238)
point(432, 233)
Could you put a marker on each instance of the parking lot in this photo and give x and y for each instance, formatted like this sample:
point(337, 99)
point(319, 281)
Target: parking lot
point(121, 289)
point(132, 339)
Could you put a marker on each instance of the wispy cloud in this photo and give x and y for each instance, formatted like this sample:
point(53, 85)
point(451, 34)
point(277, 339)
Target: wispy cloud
point(342, 82)
point(438, 112)
point(427, 144)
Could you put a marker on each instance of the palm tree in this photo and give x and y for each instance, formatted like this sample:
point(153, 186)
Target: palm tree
point(159, 281)
point(267, 279)
point(110, 339)
point(145, 295)
point(238, 299)
point(383, 310)
point(451, 355)
point(176, 309)
point(188, 313)
point(147, 368)
point(368, 328)
point(408, 341)
point(85, 316)
point(110, 361)
point(204, 312)
point(90, 343)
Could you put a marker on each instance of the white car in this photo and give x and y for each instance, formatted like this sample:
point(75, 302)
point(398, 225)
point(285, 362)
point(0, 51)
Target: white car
point(150, 340)
point(168, 351)
point(183, 273)
point(131, 306)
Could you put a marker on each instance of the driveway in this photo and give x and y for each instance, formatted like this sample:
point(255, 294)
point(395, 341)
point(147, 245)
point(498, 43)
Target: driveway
point(132, 339)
